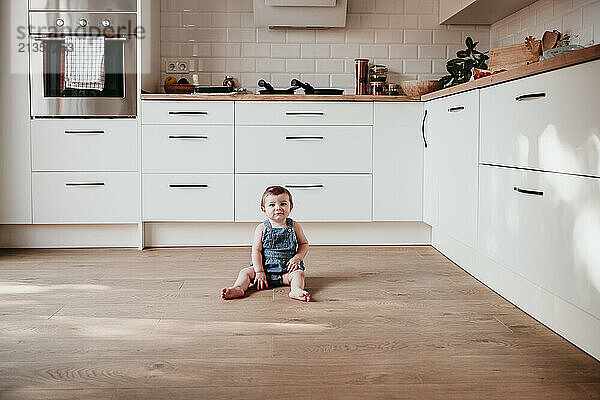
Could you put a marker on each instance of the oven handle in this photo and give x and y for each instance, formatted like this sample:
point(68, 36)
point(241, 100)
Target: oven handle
point(62, 39)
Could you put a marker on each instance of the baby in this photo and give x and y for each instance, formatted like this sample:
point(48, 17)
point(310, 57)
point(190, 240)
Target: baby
point(278, 248)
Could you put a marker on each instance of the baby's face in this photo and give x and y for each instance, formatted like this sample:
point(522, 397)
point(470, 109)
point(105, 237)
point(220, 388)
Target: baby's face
point(277, 208)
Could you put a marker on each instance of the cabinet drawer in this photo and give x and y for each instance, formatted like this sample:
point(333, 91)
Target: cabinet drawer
point(548, 121)
point(84, 145)
point(545, 227)
point(309, 149)
point(86, 197)
point(186, 198)
point(317, 198)
point(187, 148)
point(303, 113)
point(187, 112)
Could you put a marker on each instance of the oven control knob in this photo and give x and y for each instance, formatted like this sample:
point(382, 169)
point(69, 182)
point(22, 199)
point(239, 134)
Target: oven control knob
point(83, 22)
point(105, 23)
point(60, 22)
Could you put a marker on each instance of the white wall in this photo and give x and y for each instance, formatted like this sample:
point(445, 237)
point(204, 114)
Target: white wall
point(402, 34)
point(581, 17)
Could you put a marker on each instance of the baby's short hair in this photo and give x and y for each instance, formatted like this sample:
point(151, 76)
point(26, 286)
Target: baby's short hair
point(275, 191)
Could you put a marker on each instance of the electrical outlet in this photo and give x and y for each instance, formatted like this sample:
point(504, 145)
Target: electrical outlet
point(171, 67)
point(183, 67)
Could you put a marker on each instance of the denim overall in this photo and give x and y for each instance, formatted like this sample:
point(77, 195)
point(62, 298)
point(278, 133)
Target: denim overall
point(278, 246)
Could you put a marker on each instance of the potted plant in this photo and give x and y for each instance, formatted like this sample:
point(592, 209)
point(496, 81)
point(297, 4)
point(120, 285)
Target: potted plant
point(461, 68)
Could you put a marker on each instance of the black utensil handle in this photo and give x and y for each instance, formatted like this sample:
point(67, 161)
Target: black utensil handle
point(530, 96)
point(528, 191)
point(423, 129)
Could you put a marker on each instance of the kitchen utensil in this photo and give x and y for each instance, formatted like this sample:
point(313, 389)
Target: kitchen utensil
point(308, 89)
point(378, 73)
point(557, 51)
point(417, 88)
point(511, 57)
point(361, 73)
point(393, 89)
point(550, 39)
point(269, 89)
point(379, 88)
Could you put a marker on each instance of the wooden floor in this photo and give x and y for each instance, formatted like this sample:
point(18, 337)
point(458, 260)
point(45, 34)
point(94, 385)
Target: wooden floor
point(386, 323)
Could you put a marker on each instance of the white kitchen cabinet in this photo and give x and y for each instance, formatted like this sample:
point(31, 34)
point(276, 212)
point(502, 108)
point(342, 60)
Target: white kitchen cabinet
point(303, 113)
point(458, 172)
point(303, 149)
point(397, 162)
point(317, 198)
point(432, 129)
point(545, 227)
point(187, 112)
point(547, 122)
point(188, 198)
point(84, 145)
point(85, 197)
point(187, 149)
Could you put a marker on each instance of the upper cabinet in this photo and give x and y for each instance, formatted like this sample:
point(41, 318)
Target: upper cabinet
point(479, 12)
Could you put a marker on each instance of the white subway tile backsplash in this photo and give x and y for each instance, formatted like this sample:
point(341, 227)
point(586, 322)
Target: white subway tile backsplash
point(573, 20)
point(591, 15)
point(562, 6)
point(418, 36)
point(404, 35)
point(545, 12)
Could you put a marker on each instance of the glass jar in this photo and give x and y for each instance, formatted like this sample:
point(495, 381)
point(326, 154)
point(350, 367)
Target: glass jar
point(379, 88)
point(378, 73)
point(393, 89)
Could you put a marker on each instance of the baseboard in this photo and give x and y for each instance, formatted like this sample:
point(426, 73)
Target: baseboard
point(68, 236)
point(569, 321)
point(240, 234)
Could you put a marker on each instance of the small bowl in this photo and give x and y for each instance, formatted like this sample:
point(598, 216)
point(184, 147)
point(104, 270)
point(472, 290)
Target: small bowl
point(416, 89)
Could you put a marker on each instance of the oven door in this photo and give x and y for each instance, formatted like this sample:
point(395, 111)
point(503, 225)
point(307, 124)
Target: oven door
point(83, 5)
point(51, 98)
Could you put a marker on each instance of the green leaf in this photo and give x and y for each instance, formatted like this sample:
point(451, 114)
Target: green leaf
point(469, 42)
point(462, 53)
point(445, 79)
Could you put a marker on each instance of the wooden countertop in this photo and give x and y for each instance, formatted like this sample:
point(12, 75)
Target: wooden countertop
point(576, 57)
point(271, 97)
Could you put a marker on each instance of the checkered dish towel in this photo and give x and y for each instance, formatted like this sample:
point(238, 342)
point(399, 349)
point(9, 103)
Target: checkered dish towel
point(84, 62)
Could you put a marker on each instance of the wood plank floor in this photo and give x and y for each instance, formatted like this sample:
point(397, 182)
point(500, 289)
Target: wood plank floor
point(385, 323)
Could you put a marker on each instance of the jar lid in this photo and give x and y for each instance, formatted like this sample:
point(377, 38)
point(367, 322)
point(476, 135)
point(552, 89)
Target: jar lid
point(379, 69)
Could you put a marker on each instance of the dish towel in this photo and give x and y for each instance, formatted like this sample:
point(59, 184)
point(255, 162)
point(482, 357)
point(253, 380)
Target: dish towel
point(84, 62)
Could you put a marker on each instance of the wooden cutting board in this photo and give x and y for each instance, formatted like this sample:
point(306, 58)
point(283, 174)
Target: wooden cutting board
point(516, 55)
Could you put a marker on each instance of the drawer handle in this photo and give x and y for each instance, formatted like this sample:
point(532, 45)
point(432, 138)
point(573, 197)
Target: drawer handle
point(188, 113)
point(180, 186)
point(84, 133)
point(527, 191)
point(188, 137)
point(304, 186)
point(84, 184)
point(305, 138)
point(456, 109)
point(531, 96)
point(305, 113)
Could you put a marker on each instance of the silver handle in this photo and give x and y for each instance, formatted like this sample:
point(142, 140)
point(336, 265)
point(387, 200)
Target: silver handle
point(62, 39)
point(184, 113)
point(188, 137)
point(304, 138)
point(456, 109)
point(84, 184)
point(190, 186)
point(530, 96)
point(84, 133)
point(317, 186)
point(528, 191)
point(308, 113)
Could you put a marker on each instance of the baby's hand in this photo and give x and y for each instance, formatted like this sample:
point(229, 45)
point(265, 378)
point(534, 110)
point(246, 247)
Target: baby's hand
point(260, 280)
point(293, 264)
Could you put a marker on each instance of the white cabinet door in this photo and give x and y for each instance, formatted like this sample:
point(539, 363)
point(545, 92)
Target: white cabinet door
point(432, 129)
point(85, 197)
point(548, 121)
point(187, 149)
point(84, 145)
point(458, 178)
point(397, 162)
point(303, 149)
point(545, 227)
point(188, 198)
point(317, 198)
point(303, 113)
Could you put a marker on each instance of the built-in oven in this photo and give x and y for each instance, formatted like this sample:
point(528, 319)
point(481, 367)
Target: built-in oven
point(53, 33)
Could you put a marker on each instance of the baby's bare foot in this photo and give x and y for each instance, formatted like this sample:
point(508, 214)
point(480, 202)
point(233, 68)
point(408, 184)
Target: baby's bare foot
point(231, 293)
point(300, 294)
